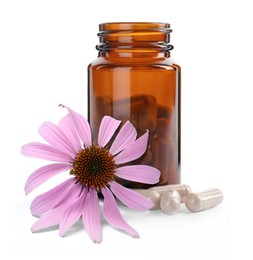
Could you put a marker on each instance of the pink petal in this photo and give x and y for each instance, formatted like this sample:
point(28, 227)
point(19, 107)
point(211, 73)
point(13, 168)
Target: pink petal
point(43, 174)
point(134, 151)
point(107, 128)
point(72, 213)
point(124, 138)
point(52, 217)
point(130, 198)
point(66, 125)
point(139, 173)
point(81, 125)
point(91, 216)
point(46, 152)
point(56, 137)
point(112, 214)
point(49, 219)
point(53, 197)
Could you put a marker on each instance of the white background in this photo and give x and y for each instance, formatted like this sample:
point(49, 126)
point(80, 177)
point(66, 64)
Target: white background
point(45, 47)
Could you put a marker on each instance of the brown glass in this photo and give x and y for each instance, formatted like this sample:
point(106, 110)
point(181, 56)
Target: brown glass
point(134, 79)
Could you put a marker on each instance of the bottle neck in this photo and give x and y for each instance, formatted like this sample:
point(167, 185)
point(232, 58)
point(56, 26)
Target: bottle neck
point(134, 40)
point(133, 54)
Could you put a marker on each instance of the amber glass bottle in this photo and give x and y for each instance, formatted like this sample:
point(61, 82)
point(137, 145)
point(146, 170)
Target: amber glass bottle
point(134, 79)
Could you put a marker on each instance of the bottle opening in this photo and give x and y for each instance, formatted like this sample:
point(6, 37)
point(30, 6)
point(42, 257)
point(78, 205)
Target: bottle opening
point(135, 26)
point(134, 35)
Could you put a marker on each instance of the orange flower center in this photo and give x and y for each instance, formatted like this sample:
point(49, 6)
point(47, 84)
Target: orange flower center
point(94, 167)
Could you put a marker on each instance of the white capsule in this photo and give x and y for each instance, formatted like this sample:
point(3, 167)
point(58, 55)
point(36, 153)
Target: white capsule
point(203, 200)
point(170, 202)
point(183, 189)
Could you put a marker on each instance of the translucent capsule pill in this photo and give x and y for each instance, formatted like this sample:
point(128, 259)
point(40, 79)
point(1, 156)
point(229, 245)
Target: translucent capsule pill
point(203, 200)
point(170, 202)
point(183, 189)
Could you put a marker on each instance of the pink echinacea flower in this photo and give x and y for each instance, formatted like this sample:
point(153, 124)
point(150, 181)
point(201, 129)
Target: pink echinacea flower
point(92, 169)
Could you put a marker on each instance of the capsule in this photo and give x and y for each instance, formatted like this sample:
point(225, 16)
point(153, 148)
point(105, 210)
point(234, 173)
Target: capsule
point(147, 118)
point(163, 128)
point(170, 202)
point(203, 200)
point(160, 151)
point(183, 189)
point(140, 109)
point(173, 177)
point(154, 196)
point(163, 112)
point(146, 158)
point(136, 103)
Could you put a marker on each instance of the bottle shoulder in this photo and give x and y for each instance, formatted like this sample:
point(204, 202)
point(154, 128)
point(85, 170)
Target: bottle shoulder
point(161, 63)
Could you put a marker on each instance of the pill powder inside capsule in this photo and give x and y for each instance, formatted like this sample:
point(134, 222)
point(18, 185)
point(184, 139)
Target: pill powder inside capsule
point(170, 202)
point(183, 189)
point(203, 200)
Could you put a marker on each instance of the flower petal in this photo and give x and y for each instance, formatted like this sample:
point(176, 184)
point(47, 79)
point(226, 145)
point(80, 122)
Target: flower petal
point(46, 152)
point(52, 217)
point(124, 138)
point(56, 137)
point(72, 213)
point(43, 174)
point(66, 125)
point(81, 125)
point(134, 151)
point(112, 214)
point(52, 198)
point(131, 198)
point(91, 216)
point(107, 128)
point(49, 219)
point(139, 173)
